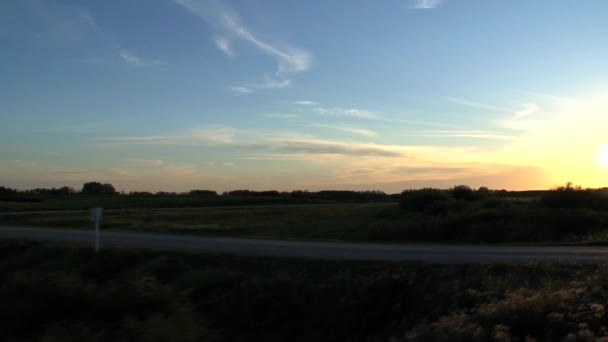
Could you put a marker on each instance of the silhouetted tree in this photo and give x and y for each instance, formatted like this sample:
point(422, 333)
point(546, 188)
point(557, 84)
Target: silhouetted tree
point(483, 192)
point(421, 200)
point(140, 193)
point(64, 190)
point(571, 196)
point(463, 192)
point(166, 193)
point(203, 192)
point(483, 189)
point(96, 188)
point(7, 191)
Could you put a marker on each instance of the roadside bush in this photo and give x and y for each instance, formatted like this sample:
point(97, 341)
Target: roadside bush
point(198, 192)
point(463, 192)
point(161, 327)
point(421, 200)
point(447, 207)
point(483, 192)
point(494, 202)
point(96, 188)
point(520, 314)
point(569, 222)
point(570, 196)
point(271, 299)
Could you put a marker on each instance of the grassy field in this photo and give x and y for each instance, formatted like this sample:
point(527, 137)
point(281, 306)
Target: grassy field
point(564, 215)
point(508, 220)
point(75, 202)
point(336, 221)
point(52, 292)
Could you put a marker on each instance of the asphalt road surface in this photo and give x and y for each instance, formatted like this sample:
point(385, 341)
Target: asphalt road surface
point(450, 254)
point(221, 207)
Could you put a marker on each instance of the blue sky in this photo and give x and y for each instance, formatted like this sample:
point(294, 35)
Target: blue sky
point(183, 94)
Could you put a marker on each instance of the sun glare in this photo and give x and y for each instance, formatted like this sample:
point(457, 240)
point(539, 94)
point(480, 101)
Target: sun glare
point(602, 155)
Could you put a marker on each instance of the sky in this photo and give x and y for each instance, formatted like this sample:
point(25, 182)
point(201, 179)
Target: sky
point(173, 95)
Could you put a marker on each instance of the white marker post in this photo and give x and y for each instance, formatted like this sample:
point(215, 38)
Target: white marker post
point(96, 214)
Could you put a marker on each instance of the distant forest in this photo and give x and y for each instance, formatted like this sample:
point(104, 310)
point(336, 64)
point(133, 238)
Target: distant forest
point(97, 188)
point(567, 193)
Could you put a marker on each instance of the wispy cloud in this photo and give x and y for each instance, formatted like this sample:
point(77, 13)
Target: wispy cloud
point(358, 113)
point(437, 169)
point(559, 99)
point(426, 4)
point(281, 116)
point(62, 27)
point(223, 44)
point(75, 172)
point(267, 83)
point(318, 146)
point(240, 90)
point(269, 142)
point(350, 112)
point(270, 83)
point(132, 59)
point(289, 145)
point(354, 130)
point(527, 110)
point(480, 105)
point(51, 24)
point(145, 162)
point(216, 134)
point(307, 103)
point(289, 59)
point(206, 135)
point(418, 123)
point(472, 134)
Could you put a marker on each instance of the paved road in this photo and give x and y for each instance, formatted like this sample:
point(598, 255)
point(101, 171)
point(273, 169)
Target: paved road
point(222, 207)
point(452, 254)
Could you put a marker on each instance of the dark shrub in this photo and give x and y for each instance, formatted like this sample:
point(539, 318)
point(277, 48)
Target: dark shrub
point(7, 191)
point(203, 192)
point(570, 196)
point(421, 200)
point(450, 206)
point(463, 192)
point(96, 188)
point(494, 202)
point(570, 222)
point(483, 192)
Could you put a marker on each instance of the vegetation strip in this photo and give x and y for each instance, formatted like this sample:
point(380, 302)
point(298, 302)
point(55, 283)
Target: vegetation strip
point(59, 292)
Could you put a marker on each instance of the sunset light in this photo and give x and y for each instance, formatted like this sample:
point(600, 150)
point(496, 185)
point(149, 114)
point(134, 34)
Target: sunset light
point(303, 170)
point(602, 155)
point(272, 95)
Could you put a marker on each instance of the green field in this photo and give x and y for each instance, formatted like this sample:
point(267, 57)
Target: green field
point(459, 215)
point(63, 292)
point(504, 221)
point(336, 221)
point(74, 202)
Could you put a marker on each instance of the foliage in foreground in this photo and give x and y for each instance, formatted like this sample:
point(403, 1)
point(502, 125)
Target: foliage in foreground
point(570, 196)
point(462, 214)
point(65, 293)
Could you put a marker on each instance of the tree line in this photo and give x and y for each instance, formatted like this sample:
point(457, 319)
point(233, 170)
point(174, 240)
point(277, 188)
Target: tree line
point(568, 195)
point(98, 188)
point(90, 188)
